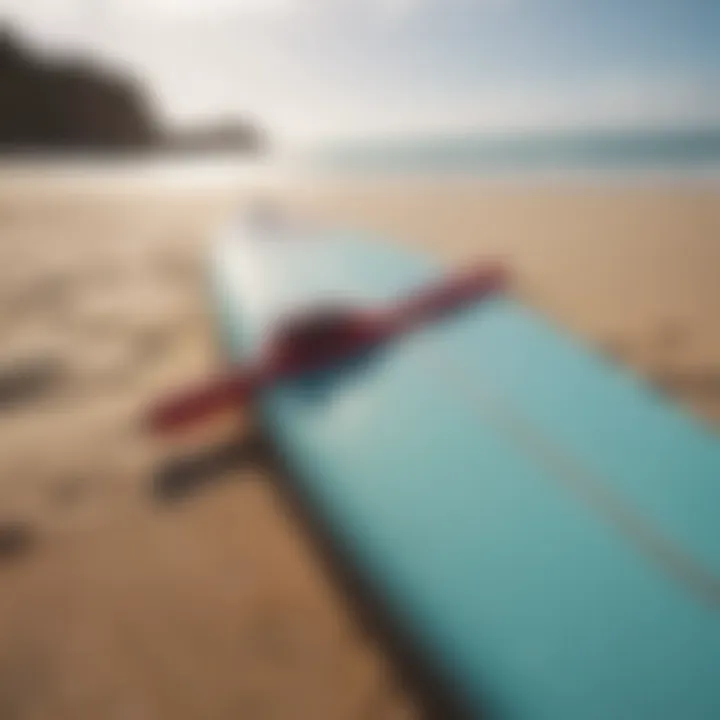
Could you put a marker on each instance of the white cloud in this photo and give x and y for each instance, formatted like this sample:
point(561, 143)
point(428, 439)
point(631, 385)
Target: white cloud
point(179, 9)
point(394, 8)
point(44, 13)
point(36, 10)
point(194, 8)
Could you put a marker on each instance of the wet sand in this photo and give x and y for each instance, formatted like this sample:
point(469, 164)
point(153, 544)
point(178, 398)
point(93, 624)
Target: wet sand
point(128, 590)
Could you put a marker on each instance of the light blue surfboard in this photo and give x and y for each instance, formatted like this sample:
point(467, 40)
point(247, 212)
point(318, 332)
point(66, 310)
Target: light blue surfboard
point(544, 526)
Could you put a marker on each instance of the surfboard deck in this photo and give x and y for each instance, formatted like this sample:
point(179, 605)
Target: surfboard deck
point(540, 522)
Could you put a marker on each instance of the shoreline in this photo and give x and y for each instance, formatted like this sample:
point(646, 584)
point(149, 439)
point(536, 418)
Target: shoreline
point(227, 172)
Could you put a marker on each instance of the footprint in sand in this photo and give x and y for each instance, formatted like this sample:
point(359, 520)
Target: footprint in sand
point(68, 492)
point(178, 268)
point(105, 361)
point(16, 538)
point(28, 381)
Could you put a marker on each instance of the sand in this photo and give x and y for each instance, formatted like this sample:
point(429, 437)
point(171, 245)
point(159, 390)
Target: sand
point(129, 591)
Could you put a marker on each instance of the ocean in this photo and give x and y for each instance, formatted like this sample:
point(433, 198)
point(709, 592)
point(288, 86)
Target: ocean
point(693, 153)
point(607, 156)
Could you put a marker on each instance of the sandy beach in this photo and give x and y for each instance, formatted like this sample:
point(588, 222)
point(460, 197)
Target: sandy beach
point(121, 600)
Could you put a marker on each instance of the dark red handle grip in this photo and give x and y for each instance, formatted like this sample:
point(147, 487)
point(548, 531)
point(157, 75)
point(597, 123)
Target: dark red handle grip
point(183, 409)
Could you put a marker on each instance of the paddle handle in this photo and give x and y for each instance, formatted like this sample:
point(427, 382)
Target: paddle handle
point(234, 389)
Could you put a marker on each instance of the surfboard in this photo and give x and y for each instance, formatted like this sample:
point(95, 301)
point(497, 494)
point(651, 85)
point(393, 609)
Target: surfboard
point(542, 523)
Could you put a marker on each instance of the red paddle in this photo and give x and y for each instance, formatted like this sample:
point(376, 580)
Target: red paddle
point(318, 340)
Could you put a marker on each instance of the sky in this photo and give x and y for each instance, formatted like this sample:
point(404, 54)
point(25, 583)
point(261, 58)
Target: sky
point(315, 69)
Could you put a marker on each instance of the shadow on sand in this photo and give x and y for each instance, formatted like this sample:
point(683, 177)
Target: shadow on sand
point(180, 478)
point(704, 382)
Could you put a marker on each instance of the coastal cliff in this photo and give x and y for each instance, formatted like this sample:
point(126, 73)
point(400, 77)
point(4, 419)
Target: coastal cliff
point(66, 104)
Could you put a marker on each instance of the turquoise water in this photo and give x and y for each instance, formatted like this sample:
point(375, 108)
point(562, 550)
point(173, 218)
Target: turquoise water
point(693, 151)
